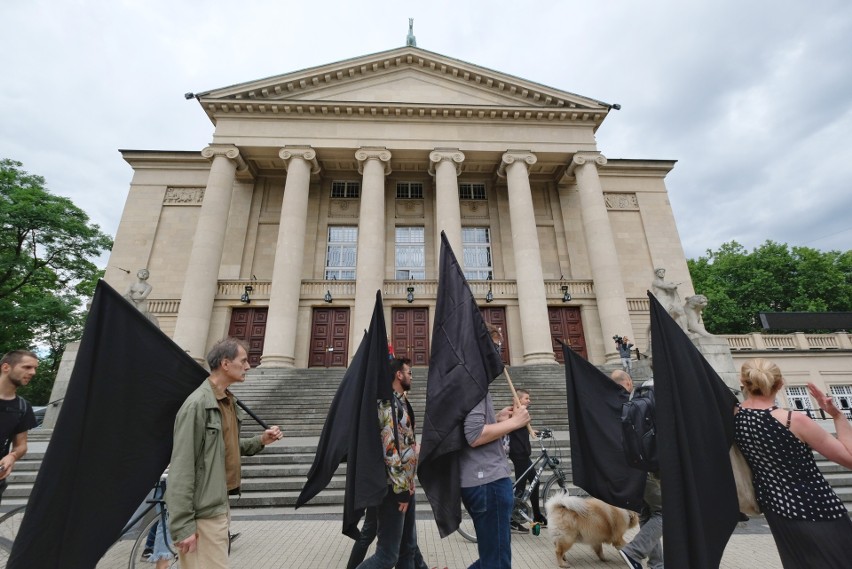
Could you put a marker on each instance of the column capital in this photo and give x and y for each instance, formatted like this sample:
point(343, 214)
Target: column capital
point(365, 153)
point(581, 158)
point(452, 155)
point(512, 156)
point(306, 153)
point(229, 151)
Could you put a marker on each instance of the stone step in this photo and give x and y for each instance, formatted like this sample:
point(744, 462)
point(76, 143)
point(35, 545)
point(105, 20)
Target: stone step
point(298, 401)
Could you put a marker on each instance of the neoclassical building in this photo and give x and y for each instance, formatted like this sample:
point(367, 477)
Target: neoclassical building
point(324, 185)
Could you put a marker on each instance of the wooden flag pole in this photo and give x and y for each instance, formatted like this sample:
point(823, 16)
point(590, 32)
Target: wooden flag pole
point(516, 399)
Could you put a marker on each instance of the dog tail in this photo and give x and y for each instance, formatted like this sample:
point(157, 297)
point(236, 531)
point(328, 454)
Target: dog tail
point(573, 503)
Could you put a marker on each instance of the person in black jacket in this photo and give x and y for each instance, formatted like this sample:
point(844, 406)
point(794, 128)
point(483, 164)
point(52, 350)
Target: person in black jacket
point(17, 368)
point(646, 544)
point(520, 450)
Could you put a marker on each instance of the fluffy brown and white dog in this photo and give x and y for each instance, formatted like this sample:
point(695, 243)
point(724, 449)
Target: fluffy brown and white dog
point(571, 519)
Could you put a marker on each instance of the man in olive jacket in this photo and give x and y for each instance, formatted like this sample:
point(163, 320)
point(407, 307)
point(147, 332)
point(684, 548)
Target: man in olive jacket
point(205, 466)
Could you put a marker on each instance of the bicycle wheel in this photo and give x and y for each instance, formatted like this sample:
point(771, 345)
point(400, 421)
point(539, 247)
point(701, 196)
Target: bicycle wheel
point(556, 485)
point(9, 525)
point(135, 561)
point(466, 529)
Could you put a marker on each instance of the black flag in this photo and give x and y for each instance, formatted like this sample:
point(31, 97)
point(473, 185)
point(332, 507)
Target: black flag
point(597, 455)
point(695, 430)
point(463, 362)
point(352, 432)
point(112, 440)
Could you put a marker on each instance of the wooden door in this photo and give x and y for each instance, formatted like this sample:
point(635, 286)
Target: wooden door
point(249, 325)
point(566, 325)
point(410, 334)
point(496, 316)
point(329, 338)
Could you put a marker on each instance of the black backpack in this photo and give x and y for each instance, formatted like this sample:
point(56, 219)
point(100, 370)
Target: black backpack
point(639, 431)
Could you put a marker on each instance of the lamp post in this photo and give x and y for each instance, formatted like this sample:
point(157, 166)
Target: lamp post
point(566, 296)
point(410, 296)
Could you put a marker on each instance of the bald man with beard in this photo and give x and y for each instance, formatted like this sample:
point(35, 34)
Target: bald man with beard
point(646, 543)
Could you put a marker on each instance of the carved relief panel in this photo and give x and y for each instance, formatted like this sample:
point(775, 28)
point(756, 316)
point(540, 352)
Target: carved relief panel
point(621, 201)
point(183, 196)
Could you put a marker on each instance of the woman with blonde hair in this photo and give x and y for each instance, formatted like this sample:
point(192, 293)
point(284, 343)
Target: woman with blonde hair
point(809, 522)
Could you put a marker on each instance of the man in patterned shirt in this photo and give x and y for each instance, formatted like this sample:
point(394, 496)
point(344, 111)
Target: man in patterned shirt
point(397, 535)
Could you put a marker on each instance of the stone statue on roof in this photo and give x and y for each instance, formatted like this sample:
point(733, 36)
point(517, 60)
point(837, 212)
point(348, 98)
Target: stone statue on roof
point(410, 39)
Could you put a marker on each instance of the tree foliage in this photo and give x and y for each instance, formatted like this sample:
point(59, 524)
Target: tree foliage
point(739, 284)
point(46, 243)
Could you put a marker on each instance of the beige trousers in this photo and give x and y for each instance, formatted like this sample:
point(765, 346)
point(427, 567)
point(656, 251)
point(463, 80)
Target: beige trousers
point(212, 550)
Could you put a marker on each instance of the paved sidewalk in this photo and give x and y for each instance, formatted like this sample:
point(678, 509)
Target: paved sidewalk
point(318, 544)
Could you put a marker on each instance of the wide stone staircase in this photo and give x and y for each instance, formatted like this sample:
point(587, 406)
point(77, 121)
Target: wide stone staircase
point(298, 400)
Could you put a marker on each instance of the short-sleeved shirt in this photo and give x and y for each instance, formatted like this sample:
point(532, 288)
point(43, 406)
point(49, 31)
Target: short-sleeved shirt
point(16, 416)
point(520, 446)
point(485, 463)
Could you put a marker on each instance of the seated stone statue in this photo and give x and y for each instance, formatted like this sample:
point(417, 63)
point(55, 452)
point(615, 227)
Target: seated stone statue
point(693, 307)
point(137, 293)
point(666, 293)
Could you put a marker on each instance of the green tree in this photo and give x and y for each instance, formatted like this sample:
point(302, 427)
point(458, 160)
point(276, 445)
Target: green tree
point(46, 243)
point(774, 277)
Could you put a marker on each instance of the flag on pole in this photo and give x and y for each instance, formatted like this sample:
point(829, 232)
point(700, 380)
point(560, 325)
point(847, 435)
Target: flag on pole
point(112, 439)
point(695, 430)
point(598, 462)
point(352, 433)
point(462, 363)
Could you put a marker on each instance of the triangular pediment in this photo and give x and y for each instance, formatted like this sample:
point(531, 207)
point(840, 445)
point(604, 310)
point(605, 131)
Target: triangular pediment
point(407, 76)
point(408, 86)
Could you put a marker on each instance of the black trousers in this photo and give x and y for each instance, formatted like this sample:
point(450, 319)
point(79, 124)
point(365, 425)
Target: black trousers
point(521, 465)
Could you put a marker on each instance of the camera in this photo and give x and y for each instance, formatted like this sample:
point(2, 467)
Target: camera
point(617, 339)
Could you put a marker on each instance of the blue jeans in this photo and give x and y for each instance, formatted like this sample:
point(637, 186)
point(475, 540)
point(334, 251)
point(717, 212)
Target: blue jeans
point(490, 507)
point(390, 530)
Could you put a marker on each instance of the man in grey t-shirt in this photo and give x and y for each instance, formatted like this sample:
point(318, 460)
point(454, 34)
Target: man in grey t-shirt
point(486, 486)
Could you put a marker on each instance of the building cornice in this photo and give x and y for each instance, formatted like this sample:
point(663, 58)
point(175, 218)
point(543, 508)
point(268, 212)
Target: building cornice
point(398, 111)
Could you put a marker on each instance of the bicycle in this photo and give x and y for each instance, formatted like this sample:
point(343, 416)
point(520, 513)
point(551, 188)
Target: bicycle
point(10, 523)
point(556, 484)
point(135, 559)
point(141, 538)
point(129, 546)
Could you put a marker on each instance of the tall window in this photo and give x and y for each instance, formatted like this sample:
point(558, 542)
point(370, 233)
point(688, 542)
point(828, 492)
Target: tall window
point(345, 189)
point(410, 253)
point(476, 242)
point(472, 191)
point(409, 190)
point(341, 253)
point(798, 397)
point(843, 398)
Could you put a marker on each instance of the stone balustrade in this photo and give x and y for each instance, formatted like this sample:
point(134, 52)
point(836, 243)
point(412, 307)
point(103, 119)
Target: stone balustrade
point(798, 341)
point(507, 290)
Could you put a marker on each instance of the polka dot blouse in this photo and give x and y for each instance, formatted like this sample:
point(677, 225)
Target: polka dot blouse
point(787, 481)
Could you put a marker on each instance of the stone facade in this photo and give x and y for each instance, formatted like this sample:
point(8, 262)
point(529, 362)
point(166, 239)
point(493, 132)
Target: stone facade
point(400, 141)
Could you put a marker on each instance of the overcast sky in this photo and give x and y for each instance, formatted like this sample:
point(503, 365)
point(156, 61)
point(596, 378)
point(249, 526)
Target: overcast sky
point(753, 99)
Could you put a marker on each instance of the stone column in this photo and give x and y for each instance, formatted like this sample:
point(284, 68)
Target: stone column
point(202, 272)
point(447, 167)
point(603, 256)
point(374, 165)
point(532, 298)
point(279, 346)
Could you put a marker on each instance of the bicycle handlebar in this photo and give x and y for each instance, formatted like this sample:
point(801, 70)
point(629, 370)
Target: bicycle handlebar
point(545, 434)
